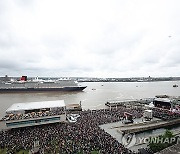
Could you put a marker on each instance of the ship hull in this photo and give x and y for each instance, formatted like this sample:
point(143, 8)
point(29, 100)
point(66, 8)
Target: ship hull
point(11, 90)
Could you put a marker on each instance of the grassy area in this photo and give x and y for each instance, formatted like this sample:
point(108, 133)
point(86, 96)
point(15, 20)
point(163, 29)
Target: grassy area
point(94, 152)
point(161, 142)
point(23, 152)
point(3, 151)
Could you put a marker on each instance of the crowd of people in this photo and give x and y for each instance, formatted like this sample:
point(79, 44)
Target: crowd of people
point(33, 114)
point(165, 114)
point(84, 136)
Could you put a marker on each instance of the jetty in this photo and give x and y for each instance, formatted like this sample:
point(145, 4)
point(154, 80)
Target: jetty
point(114, 103)
point(124, 102)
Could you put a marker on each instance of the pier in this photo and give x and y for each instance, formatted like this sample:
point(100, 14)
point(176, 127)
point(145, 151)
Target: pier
point(114, 103)
point(125, 102)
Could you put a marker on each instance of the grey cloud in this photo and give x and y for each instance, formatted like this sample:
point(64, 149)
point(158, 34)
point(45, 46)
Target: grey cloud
point(112, 40)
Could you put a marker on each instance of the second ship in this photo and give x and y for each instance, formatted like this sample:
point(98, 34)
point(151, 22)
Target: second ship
point(39, 85)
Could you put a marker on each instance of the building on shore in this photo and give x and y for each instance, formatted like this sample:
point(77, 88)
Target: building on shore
point(35, 113)
point(164, 103)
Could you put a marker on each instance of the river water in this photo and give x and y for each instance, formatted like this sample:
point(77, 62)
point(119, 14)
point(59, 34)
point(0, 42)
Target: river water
point(96, 94)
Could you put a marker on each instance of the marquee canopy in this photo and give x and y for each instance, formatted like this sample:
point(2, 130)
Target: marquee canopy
point(35, 105)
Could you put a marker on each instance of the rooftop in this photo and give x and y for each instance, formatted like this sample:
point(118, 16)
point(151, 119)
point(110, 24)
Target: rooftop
point(163, 100)
point(35, 105)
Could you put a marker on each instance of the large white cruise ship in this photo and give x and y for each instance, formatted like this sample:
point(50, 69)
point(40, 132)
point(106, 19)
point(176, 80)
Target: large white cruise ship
point(38, 85)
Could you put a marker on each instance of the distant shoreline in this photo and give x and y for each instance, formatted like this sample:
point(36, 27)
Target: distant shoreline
point(127, 81)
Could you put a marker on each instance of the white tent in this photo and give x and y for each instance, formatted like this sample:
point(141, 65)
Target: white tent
point(19, 107)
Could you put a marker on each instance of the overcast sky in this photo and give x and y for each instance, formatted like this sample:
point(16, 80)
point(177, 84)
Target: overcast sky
point(90, 38)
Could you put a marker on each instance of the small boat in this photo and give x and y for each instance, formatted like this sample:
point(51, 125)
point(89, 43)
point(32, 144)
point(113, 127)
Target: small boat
point(175, 85)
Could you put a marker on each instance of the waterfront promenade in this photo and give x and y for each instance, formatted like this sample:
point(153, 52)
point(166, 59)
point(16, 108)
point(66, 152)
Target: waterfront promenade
point(95, 130)
point(84, 136)
point(136, 128)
